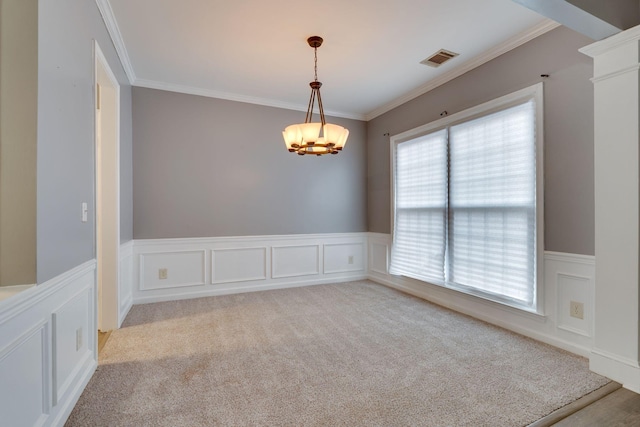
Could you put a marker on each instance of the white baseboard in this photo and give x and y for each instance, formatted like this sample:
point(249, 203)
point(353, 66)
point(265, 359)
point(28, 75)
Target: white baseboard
point(67, 406)
point(201, 267)
point(626, 372)
point(48, 331)
point(125, 307)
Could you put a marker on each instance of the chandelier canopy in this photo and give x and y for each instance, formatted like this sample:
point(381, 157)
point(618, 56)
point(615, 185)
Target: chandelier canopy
point(305, 138)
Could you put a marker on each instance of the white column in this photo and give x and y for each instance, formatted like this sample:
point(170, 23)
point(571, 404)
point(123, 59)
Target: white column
point(616, 350)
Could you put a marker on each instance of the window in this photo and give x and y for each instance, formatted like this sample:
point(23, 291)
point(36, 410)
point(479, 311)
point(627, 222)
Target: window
point(467, 200)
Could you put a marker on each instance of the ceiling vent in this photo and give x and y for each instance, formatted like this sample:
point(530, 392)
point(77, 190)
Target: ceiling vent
point(439, 58)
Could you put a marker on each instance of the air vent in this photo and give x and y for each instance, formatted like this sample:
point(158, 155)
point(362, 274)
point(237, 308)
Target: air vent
point(439, 58)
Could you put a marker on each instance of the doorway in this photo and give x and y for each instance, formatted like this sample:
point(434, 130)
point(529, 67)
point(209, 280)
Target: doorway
point(107, 192)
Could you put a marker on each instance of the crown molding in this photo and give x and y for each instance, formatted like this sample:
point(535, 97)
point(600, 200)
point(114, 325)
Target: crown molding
point(116, 37)
point(514, 42)
point(617, 40)
point(114, 32)
point(152, 84)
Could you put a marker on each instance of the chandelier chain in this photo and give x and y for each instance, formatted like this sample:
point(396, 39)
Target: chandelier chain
point(315, 55)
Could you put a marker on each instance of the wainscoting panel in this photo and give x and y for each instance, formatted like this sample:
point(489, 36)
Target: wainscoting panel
point(570, 277)
point(125, 293)
point(344, 257)
point(567, 277)
point(295, 261)
point(70, 334)
point(24, 387)
point(247, 264)
point(45, 363)
point(379, 257)
point(183, 268)
point(572, 288)
point(238, 265)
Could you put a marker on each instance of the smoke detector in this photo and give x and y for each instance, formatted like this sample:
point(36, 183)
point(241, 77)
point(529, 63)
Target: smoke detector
point(439, 58)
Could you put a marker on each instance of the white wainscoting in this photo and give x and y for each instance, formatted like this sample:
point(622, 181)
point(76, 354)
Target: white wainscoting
point(71, 316)
point(47, 348)
point(184, 268)
point(200, 267)
point(238, 265)
point(295, 261)
point(125, 293)
point(567, 277)
point(25, 373)
point(344, 257)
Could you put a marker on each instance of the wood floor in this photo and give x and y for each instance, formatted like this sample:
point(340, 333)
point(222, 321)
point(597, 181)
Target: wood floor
point(102, 339)
point(609, 406)
point(620, 408)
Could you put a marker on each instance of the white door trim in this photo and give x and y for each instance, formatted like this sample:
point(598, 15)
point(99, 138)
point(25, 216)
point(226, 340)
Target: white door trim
point(107, 193)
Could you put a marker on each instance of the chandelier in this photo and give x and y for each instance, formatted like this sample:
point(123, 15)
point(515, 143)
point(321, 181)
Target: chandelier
point(305, 138)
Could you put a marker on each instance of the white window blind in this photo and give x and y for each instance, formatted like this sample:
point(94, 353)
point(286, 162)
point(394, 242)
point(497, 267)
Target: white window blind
point(465, 205)
point(421, 208)
point(492, 205)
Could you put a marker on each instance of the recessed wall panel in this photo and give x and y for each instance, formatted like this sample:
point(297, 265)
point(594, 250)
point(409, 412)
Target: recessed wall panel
point(378, 258)
point(577, 289)
point(343, 257)
point(295, 261)
point(71, 335)
point(238, 265)
point(23, 395)
point(172, 269)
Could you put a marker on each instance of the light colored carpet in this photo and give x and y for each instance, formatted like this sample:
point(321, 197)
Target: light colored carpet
point(352, 354)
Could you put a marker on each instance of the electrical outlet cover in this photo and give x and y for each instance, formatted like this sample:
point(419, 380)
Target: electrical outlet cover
point(78, 339)
point(576, 309)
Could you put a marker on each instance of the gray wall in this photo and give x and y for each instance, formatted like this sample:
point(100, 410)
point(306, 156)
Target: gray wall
point(622, 14)
point(65, 179)
point(208, 167)
point(568, 140)
point(18, 118)
point(126, 164)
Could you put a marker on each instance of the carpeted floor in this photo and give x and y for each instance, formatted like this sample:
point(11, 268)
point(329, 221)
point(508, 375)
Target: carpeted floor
point(351, 354)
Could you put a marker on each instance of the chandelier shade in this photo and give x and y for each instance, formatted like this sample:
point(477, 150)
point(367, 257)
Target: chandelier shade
point(310, 137)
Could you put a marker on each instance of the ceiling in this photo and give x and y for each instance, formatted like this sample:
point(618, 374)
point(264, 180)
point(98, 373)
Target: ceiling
point(256, 51)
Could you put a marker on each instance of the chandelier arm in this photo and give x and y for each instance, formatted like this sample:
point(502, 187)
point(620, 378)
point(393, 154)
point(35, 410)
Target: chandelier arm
point(312, 99)
point(324, 122)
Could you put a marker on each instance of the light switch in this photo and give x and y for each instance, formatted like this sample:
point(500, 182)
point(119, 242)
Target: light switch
point(85, 211)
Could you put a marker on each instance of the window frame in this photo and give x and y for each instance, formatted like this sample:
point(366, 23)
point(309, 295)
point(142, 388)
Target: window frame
point(534, 92)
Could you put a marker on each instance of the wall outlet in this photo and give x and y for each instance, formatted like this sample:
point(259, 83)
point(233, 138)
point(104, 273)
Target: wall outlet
point(85, 212)
point(78, 339)
point(163, 273)
point(350, 259)
point(576, 309)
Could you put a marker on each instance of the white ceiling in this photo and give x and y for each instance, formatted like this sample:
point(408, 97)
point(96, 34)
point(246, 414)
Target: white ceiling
point(256, 50)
